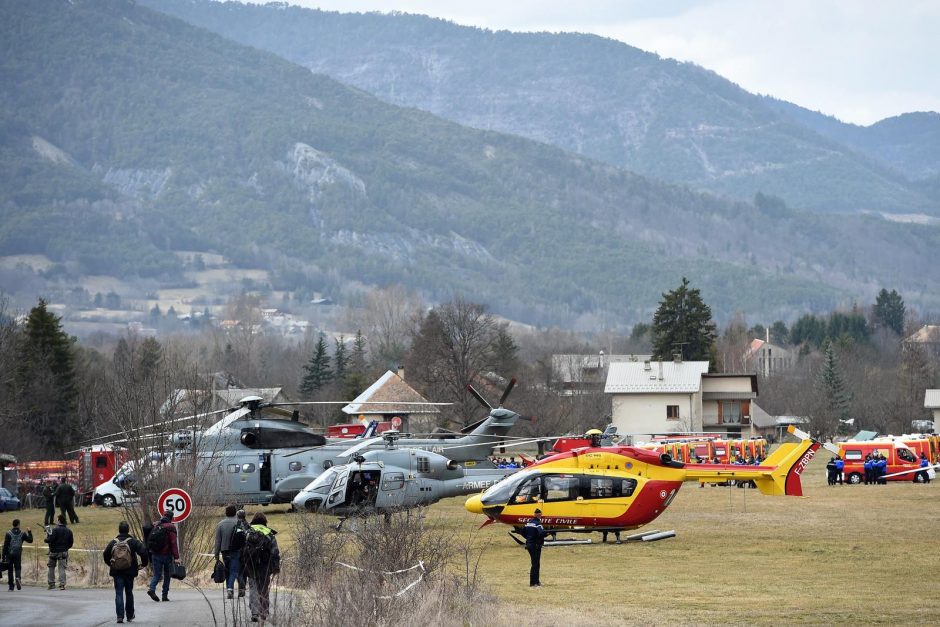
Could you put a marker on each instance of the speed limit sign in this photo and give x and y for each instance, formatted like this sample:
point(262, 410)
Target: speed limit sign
point(177, 501)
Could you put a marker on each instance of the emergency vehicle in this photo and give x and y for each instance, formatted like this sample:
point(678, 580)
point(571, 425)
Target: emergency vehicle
point(899, 455)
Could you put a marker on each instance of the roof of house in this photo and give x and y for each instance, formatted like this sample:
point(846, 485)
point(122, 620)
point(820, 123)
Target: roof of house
point(929, 334)
point(760, 418)
point(932, 399)
point(391, 391)
point(656, 377)
point(570, 367)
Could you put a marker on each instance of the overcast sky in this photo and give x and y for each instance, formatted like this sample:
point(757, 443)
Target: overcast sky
point(860, 60)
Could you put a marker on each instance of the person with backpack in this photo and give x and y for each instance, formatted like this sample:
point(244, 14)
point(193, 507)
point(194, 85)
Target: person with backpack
point(261, 560)
point(60, 540)
point(13, 552)
point(121, 555)
point(229, 541)
point(164, 550)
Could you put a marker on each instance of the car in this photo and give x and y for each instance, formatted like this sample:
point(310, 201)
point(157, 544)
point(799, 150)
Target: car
point(8, 500)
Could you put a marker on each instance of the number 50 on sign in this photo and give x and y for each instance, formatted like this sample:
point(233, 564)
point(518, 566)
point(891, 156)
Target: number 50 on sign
point(177, 501)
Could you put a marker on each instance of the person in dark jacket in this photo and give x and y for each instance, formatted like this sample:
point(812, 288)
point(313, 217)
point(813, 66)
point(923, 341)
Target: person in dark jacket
point(124, 574)
point(831, 471)
point(65, 497)
point(534, 539)
point(163, 557)
point(60, 540)
point(13, 552)
point(840, 468)
point(228, 547)
point(260, 566)
point(48, 493)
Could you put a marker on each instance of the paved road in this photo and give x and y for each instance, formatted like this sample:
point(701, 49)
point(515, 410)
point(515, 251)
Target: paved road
point(80, 607)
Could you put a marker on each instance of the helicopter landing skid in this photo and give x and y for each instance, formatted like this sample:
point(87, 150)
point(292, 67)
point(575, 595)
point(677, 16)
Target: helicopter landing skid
point(561, 542)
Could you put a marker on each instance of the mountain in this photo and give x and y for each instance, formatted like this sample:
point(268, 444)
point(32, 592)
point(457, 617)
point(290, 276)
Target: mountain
point(128, 134)
point(910, 143)
point(597, 97)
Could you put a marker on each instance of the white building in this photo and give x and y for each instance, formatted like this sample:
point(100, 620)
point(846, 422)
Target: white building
point(932, 402)
point(661, 397)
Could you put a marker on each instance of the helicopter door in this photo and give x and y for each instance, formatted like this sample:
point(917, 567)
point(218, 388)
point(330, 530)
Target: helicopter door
point(392, 492)
point(338, 491)
point(265, 470)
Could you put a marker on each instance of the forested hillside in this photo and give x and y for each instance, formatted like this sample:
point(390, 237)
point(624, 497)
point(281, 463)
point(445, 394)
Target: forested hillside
point(598, 97)
point(128, 134)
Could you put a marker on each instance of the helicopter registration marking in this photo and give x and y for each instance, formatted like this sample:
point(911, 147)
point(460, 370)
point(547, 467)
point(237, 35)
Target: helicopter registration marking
point(478, 485)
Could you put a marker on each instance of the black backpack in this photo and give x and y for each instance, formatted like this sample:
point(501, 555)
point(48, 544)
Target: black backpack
point(257, 549)
point(158, 539)
point(16, 544)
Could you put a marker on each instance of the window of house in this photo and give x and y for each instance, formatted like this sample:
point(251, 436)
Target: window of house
point(731, 412)
point(672, 412)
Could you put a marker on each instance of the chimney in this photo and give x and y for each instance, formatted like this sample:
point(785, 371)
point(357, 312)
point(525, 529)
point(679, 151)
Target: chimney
point(767, 335)
point(401, 372)
point(646, 364)
point(660, 369)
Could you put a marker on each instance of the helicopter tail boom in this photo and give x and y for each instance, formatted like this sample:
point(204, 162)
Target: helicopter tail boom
point(778, 475)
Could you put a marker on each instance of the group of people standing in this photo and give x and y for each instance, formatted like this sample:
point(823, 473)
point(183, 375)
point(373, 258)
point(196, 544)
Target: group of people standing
point(834, 468)
point(61, 495)
point(875, 468)
point(249, 555)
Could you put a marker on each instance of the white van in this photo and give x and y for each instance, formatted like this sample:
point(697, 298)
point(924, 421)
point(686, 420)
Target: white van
point(118, 489)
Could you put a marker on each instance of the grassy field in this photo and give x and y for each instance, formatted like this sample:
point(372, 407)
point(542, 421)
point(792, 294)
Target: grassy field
point(849, 554)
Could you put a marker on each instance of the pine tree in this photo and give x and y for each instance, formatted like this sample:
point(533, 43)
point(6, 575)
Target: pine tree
point(505, 351)
point(888, 311)
point(340, 360)
point(836, 398)
point(356, 379)
point(318, 371)
point(683, 324)
point(45, 380)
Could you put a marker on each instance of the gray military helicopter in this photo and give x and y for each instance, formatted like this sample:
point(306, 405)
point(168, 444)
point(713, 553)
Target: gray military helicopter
point(261, 453)
point(384, 481)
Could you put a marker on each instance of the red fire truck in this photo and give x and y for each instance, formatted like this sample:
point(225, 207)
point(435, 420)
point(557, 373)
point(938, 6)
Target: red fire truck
point(94, 465)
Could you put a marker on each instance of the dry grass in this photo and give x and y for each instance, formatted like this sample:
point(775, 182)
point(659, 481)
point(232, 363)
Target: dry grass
point(850, 554)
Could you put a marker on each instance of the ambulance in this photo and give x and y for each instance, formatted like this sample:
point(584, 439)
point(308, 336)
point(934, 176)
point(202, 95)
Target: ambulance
point(899, 455)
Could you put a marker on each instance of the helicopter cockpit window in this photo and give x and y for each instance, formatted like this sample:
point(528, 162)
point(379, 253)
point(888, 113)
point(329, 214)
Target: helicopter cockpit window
point(248, 467)
point(424, 464)
point(561, 487)
point(905, 454)
point(393, 481)
point(530, 491)
point(503, 490)
point(232, 468)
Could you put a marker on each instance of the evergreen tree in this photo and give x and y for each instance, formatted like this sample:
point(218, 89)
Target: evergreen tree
point(149, 357)
point(340, 360)
point(836, 398)
point(318, 371)
point(505, 354)
point(888, 311)
point(357, 377)
point(683, 324)
point(45, 380)
point(779, 334)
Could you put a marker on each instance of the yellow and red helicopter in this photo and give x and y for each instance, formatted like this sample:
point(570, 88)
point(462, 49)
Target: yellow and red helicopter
point(623, 487)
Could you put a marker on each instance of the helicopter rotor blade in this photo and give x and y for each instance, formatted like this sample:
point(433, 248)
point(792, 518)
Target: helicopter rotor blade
point(479, 397)
point(512, 384)
point(358, 447)
point(409, 403)
point(157, 425)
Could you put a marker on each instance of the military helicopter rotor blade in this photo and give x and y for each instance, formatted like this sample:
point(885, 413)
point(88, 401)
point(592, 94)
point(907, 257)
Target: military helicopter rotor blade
point(291, 403)
point(498, 443)
point(156, 425)
point(358, 447)
point(479, 397)
point(512, 384)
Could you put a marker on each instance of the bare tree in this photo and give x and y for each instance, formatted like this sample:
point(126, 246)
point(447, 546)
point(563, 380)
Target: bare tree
point(388, 318)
